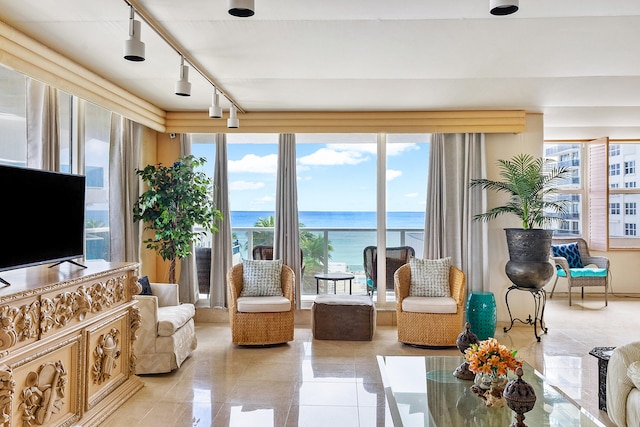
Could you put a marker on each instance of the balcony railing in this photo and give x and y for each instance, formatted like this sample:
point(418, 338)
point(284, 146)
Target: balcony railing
point(342, 247)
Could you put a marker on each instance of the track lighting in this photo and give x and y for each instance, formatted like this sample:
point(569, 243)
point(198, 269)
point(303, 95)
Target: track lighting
point(241, 8)
point(232, 121)
point(215, 112)
point(183, 87)
point(133, 47)
point(503, 7)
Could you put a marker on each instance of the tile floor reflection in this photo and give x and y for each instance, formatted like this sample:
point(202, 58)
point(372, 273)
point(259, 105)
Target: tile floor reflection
point(336, 383)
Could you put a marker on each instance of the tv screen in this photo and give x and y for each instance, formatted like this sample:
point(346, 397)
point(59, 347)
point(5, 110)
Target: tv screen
point(42, 215)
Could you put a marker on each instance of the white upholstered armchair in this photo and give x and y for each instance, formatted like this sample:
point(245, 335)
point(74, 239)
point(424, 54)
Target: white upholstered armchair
point(166, 336)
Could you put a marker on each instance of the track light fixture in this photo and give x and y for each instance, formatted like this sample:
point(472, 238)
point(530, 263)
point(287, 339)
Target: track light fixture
point(241, 8)
point(215, 112)
point(133, 47)
point(183, 87)
point(503, 7)
point(232, 121)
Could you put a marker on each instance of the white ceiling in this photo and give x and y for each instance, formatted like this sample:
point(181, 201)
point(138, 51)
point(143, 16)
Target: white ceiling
point(576, 61)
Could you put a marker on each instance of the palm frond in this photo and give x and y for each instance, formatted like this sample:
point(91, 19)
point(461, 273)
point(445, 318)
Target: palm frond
point(531, 184)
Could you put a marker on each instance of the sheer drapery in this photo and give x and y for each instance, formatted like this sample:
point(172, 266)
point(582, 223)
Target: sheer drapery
point(188, 279)
point(287, 233)
point(43, 126)
point(124, 187)
point(221, 255)
point(454, 160)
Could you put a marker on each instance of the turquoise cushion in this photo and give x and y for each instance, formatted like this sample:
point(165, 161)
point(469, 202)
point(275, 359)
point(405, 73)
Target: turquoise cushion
point(584, 272)
point(570, 252)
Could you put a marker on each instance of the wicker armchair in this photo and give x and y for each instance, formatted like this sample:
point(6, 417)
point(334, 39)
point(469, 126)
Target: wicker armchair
point(430, 329)
point(260, 327)
point(577, 277)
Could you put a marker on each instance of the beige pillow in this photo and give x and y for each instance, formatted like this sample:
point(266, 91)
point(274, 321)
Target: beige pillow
point(429, 277)
point(261, 278)
point(633, 372)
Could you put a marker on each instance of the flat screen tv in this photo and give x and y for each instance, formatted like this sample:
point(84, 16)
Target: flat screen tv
point(42, 215)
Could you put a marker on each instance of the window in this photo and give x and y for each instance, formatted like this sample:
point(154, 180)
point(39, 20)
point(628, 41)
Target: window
point(569, 156)
point(630, 208)
point(614, 150)
point(336, 203)
point(13, 105)
point(629, 167)
point(97, 123)
point(252, 167)
point(608, 212)
point(614, 208)
point(406, 178)
point(629, 229)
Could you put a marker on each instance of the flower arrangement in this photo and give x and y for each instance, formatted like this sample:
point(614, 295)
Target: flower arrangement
point(491, 357)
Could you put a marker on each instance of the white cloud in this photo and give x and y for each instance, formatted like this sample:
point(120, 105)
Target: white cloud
point(411, 195)
point(245, 185)
point(358, 148)
point(329, 156)
point(393, 174)
point(399, 148)
point(255, 164)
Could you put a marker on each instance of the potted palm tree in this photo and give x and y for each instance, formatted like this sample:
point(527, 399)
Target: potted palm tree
point(531, 187)
point(178, 198)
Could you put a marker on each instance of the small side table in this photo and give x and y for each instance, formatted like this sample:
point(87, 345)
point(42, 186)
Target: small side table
point(603, 354)
point(539, 302)
point(333, 277)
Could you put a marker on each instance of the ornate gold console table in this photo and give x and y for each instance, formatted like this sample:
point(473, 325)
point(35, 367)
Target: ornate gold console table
point(66, 338)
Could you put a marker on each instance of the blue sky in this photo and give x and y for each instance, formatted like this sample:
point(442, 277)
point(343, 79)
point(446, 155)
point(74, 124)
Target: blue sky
point(335, 172)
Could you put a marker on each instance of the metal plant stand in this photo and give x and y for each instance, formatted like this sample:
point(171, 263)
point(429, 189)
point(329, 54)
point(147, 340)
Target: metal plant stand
point(539, 299)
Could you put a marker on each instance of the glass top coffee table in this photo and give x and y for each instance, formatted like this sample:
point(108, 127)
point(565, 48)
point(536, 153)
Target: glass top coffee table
point(422, 391)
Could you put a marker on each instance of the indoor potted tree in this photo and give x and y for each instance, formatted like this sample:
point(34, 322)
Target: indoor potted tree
point(531, 187)
point(178, 199)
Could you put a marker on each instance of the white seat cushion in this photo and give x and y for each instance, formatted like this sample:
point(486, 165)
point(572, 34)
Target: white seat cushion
point(441, 305)
point(272, 304)
point(173, 317)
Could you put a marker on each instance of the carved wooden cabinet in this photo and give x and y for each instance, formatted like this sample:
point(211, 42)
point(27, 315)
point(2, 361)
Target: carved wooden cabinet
point(66, 339)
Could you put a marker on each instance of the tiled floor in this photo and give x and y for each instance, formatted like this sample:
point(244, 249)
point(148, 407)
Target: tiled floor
point(336, 383)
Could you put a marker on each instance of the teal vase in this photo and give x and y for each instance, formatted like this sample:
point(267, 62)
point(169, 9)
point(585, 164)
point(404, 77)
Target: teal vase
point(481, 314)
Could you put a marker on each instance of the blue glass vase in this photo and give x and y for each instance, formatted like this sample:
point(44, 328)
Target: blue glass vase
point(481, 314)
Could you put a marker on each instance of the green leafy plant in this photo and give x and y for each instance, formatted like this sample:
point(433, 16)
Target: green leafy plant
point(178, 199)
point(531, 186)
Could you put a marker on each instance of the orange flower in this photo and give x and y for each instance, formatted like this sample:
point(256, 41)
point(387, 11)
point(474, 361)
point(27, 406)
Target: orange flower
point(491, 357)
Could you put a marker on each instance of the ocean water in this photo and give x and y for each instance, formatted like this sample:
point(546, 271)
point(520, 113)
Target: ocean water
point(348, 245)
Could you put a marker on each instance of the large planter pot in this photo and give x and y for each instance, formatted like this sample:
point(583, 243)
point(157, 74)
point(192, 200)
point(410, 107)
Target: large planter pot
point(529, 265)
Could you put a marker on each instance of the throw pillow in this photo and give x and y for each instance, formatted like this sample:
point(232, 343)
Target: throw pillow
point(570, 252)
point(633, 372)
point(146, 287)
point(429, 277)
point(261, 278)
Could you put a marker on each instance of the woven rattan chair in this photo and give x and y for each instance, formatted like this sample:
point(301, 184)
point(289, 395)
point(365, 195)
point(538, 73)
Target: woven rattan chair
point(260, 328)
point(396, 257)
point(430, 329)
point(586, 277)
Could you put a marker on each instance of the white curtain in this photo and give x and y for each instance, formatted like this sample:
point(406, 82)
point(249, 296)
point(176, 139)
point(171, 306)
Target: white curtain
point(287, 233)
point(221, 256)
point(188, 279)
point(43, 126)
point(454, 160)
point(124, 186)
